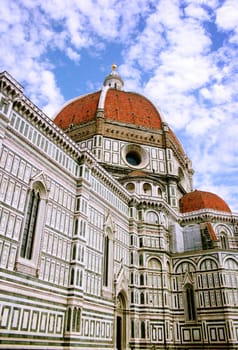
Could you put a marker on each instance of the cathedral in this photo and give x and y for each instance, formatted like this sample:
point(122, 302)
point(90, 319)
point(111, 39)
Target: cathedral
point(104, 243)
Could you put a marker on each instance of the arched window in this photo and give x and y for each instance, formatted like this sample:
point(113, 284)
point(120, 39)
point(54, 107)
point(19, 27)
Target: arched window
point(68, 324)
point(142, 298)
point(154, 277)
point(81, 279)
point(107, 277)
point(154, 264)
point(190, 308)
point(30, 225)
point(82, 254)
point(33, 227)
point(142, 329)
point(141, 260)
point(78, 320)
point(132, 329)
point(208, 264)
point(77, 278)
point(106, 261)
point(132, 258)
point(132, 297)
point(185, 266)
point(163, 220)
point(231, 264)
point(141, 279)
point(131, 240)
point(74, 326)
point(76, 224)
point(224, 241)
point(152, 217)
point(81, 228)
point(74, 252)
point(72, 276)
point(147, 189)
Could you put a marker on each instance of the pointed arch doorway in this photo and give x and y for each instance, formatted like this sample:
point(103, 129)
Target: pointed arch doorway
point(121, 335)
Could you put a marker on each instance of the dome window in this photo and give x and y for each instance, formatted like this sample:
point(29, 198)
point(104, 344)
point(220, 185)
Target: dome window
point(130, 187)
point(147, 189)
point(133, 158)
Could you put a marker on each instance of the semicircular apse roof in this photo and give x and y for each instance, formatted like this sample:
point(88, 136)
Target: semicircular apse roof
point(197, 200)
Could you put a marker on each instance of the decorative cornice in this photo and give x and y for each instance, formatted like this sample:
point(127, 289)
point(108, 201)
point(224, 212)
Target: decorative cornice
point(22, 105)
point(207, 215)
point(9, 86)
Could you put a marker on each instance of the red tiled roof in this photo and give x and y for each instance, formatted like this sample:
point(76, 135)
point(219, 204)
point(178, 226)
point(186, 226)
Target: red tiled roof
point(198, 200)
point(131, 108)
point(211, 231)
point(119, 106)
point(177, 142)
point(78, 111)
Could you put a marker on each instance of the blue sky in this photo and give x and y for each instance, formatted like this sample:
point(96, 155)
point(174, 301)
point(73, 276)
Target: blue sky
point(182, 54)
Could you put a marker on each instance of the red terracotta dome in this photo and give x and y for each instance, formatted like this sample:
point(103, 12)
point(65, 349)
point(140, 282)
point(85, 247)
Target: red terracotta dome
point(120, 106)
point(80, 110)
point(117, 107)
point(198, 200)
point(131, 108)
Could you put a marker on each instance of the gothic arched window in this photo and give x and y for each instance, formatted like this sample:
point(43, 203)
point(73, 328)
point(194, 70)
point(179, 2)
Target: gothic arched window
point(132, 329)
point(72, 276)
point(74, 252)
point(68, 319)
point(142, 298)
point(224, 241)
point(106, 261)
point(142, 329)
point(190, 308)
point(33, 227)
point(30, 225)
point(76, 223)
point(141, 260)
point(141, 279)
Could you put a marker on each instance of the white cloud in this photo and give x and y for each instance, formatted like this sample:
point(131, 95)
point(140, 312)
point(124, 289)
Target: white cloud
point(73, 55)
point(193, 10)
point(227, 19)
point(33, 29)
point(227, 15)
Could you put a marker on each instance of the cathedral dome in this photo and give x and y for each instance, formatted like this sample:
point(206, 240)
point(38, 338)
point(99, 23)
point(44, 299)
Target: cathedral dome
point(116, 108)
point(198, 200)
point(119, 106)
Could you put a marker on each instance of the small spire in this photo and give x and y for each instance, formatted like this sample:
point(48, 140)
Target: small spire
point(113, 80)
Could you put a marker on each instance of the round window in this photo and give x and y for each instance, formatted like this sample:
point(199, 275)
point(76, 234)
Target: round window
point(135, 156)
point(130, 187)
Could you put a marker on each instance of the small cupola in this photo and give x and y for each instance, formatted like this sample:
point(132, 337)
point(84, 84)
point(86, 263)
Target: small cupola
point(113, 80)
